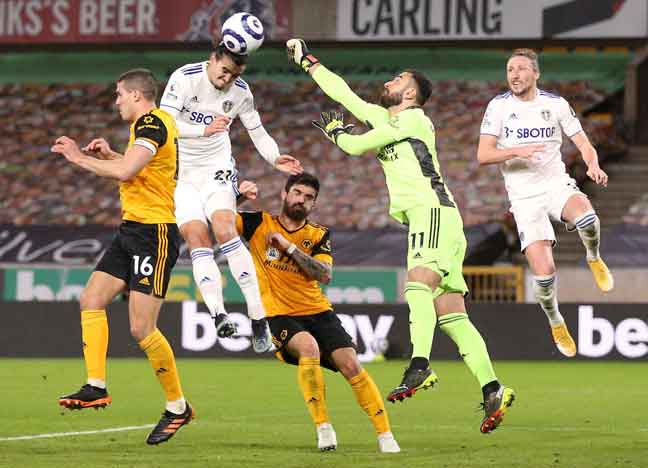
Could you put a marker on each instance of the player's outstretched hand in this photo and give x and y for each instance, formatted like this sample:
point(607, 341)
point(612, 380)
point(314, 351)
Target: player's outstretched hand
point(286, 163)
point(332, 125)
point(218, 125)
point(299, 54)
point(278, 241)
point(597, 175)
point(98, 146)
point(68, 148)
point(248, 189)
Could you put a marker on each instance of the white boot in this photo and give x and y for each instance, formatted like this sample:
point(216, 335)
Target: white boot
point(387, 443)
point(326, 439)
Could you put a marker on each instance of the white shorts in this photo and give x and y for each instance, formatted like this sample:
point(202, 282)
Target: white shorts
point(199, 193)
point(533, 215)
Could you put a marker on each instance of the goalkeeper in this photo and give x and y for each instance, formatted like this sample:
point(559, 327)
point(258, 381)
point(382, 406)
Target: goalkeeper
point(403, 137)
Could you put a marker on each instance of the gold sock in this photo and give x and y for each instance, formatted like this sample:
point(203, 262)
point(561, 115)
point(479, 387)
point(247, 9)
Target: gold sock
point(370, 400)
point(311, 383)
point(94, 334)
point(159, 353)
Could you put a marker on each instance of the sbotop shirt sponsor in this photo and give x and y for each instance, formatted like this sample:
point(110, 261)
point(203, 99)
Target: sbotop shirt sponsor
point(539, 121)
point(190, 93)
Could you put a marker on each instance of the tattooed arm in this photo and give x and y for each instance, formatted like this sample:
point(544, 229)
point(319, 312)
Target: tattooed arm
point(311, 267)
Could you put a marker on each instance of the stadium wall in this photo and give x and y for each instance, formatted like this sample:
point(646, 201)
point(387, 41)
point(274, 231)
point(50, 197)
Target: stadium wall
point(604, 69)
point(575, 284)
point(350, 285)
point(27, 283)
point(513, 332)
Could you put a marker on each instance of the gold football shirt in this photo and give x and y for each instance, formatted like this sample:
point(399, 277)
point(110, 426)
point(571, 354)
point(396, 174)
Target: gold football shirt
point(285, 289)
point(148, 197)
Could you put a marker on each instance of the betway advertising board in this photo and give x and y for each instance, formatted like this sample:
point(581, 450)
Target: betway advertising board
point(511, 331)
point(354, 286)
point(386, 20)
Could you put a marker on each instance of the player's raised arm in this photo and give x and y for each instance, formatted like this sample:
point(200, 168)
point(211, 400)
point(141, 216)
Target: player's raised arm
point(122, 169)
point(332, 85)
point(264, 143)
point(99, 146)
point(332, 125)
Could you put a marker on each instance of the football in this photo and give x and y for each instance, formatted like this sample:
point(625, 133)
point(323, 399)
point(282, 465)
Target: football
point(242, 33)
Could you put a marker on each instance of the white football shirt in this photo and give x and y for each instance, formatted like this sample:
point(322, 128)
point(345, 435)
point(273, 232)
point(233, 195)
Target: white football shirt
point(194, 102)
point(541, 120)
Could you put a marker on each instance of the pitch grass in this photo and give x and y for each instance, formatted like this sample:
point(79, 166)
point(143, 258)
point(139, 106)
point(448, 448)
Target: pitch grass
point(250, 414)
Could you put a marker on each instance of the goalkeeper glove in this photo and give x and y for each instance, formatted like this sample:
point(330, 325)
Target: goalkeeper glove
point(332, 124)
point(298, 53)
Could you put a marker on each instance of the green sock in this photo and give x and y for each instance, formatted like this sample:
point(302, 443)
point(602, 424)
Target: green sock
point(422, 318)
point(471, 345)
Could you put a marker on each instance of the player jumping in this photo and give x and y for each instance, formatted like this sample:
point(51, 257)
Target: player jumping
point(143, 252)
point(404, 139)
point(204, 98)
point(522, 131)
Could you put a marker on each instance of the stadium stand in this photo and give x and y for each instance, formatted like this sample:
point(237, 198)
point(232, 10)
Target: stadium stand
point(39, 188)
point(638, 212)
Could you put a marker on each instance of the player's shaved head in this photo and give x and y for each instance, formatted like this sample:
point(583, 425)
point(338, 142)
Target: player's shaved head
point(142, 80)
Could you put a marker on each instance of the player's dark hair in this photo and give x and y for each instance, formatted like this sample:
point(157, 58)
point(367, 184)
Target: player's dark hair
point(142, 80)
point(424, 86)
point(220, 51)
point(303, 179)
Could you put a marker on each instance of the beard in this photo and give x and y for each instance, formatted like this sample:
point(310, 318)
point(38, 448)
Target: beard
point(523, 91)
point(295, 212)
point(388, 100)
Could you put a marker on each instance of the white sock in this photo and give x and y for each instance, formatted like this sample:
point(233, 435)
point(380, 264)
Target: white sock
point(242, 268)
point(589, 230)
point(97, 383)
point(545, 289)
point(208, 279)
point(176, 406)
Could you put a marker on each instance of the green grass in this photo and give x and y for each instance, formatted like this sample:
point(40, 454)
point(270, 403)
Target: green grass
point(250, 413)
